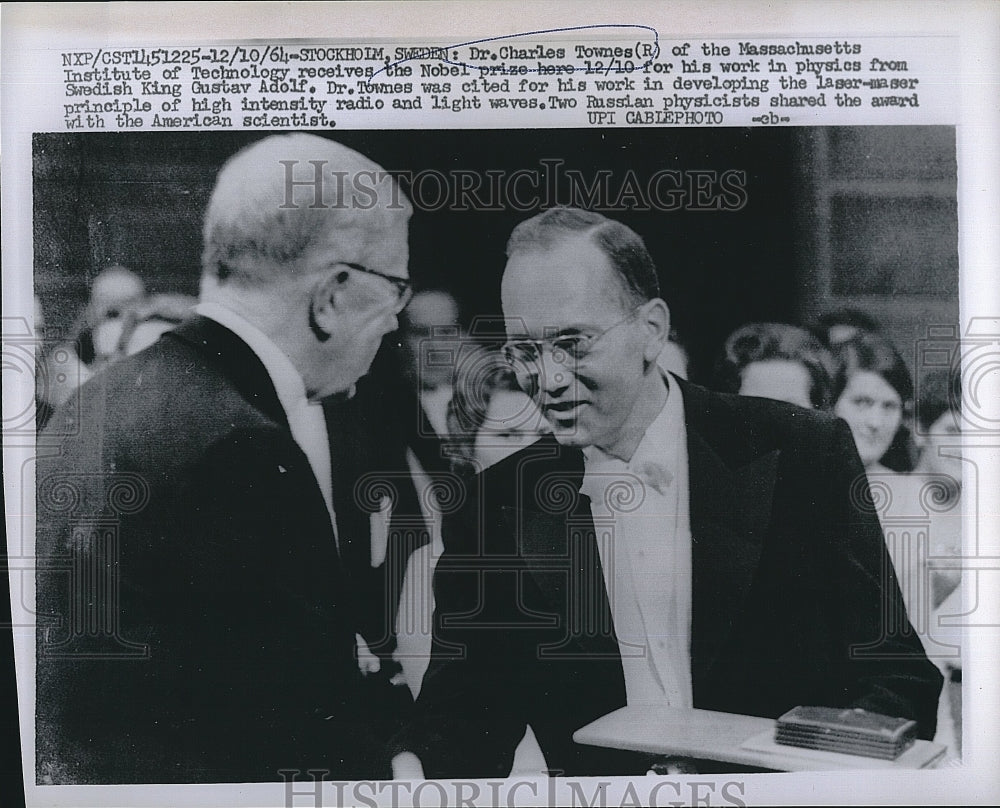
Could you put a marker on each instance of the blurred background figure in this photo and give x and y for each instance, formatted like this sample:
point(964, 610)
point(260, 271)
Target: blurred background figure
point(939, 439)
point(145, 321)
point(873, 392)
point(674, 357)
point(778, 361)
point(391, 430)
point(430, 334)
point(926, 506)
point(119, 321)
point(489, 416)
point(99, 330)
point(938, 417)
point(939, 473)
point(839, 325)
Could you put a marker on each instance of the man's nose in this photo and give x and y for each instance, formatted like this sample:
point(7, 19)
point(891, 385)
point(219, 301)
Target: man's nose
point(555, 376)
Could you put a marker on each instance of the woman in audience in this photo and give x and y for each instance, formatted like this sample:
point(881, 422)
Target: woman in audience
point(873, 392)
point(489, 416)
point(779, 361)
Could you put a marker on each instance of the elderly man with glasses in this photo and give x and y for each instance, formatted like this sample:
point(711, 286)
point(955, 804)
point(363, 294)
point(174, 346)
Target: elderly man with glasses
point(664, 546)
point(195, 622)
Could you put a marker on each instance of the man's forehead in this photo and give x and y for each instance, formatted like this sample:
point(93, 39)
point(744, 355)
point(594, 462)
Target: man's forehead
point(548, 290)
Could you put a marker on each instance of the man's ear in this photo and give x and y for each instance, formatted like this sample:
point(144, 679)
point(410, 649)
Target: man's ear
point(656, 320)
point(327, 303)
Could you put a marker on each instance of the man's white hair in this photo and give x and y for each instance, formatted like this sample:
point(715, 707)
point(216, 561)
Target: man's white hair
point(277, 197)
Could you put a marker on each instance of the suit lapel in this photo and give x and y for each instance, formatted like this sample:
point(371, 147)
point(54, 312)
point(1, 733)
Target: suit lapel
point(556, 538)
point(561, 554)
point(731, 484)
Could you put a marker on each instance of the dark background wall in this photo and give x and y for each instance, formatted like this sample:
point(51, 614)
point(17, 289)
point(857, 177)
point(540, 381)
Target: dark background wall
point(137, 199)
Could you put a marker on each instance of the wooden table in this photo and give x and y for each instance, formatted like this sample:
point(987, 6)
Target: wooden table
point(742, 740)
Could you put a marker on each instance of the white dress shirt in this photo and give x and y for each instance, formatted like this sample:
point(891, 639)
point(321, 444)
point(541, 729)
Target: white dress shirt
point(641, 513)
point(305, 418)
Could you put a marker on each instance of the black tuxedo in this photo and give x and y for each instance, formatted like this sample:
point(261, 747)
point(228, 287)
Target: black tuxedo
point(793, 597)
point(195, 619)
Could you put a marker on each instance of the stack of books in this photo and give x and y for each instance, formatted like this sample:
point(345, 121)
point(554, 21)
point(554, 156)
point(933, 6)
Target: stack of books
point(851, 731)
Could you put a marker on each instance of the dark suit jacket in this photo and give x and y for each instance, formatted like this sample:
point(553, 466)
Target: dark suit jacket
point(794, 599)
point(194, 620)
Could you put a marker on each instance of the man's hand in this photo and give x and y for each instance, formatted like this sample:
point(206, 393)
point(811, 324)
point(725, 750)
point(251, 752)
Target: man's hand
point(407, 766)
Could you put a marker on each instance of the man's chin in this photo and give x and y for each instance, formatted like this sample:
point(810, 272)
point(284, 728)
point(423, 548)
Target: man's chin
point(569, 434)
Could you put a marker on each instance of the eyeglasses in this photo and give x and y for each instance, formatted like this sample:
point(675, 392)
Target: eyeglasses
point(404, 289)
point(523, 354)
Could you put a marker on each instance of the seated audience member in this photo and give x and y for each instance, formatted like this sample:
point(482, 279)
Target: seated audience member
point(839, 325)
point(778, 361)
point(113, 292)
point(873, 392)
point(145, 322)
point(489, 416)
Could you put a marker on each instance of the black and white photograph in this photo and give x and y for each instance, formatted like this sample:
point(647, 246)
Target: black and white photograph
point(475, 460)
point(543, 342)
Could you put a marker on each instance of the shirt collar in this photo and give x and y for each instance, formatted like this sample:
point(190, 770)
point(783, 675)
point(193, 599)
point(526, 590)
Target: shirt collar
point(286, 379)
point(661, 435)
point(655, 458)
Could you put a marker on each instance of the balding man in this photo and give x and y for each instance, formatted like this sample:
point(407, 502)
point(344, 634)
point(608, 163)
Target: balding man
point(194, 623)
point(665, 546)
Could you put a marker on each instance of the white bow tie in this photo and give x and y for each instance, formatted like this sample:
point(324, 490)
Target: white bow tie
point(611, 484)
point(654, 475)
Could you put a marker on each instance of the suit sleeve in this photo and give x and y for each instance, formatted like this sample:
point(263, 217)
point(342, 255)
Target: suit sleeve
point(884, 667)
